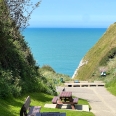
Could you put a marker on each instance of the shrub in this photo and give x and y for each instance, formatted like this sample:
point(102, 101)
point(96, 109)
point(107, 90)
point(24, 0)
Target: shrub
point(110, 55)
point(8, 85)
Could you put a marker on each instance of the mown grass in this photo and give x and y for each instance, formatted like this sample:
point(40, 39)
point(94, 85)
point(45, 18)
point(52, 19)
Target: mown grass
point(111, 87)
point(11, 106)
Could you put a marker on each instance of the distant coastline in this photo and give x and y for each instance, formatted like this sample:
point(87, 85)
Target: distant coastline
point(82, 62)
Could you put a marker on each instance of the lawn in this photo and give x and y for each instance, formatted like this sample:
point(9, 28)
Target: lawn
point(11, 106)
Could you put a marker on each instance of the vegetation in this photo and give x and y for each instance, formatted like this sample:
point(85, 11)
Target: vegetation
point(98, 55)
point(19, 74)
point(52, 76)
point(18, 70)
point(12, 106)
point(102, 56)
point(110, 78)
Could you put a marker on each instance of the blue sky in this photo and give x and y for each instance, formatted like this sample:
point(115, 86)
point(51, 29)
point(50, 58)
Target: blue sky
point(74, 14)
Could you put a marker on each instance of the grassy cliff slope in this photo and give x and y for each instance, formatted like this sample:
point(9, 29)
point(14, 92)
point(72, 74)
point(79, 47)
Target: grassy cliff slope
point(98, 54)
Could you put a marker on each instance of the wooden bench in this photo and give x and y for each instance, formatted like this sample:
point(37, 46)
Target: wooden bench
point(72, 103)
point(75, 100)
point(27, 110)
point(54, 100)
point(53, 114)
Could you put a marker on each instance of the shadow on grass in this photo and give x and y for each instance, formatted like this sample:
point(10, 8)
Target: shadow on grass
point(41, 97)
point(9, 107)
point(12, 106)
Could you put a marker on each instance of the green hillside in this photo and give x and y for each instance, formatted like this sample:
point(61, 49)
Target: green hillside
point(18, 70)
point(98, 55)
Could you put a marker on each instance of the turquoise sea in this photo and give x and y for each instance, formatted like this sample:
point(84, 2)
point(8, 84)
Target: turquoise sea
point(61, 48)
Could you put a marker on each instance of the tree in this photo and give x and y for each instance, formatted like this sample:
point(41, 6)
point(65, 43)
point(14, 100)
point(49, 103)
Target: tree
point(15, 14)
point(18, 72)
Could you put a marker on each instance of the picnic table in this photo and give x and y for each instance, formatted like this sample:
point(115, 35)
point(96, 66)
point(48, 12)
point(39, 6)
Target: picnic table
point(65, 98)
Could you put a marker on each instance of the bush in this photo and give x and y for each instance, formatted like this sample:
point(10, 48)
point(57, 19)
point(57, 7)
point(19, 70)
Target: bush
point(18, 71)
point(111, 86)
point(47, 68)
point(109, 55)
point(8, 85)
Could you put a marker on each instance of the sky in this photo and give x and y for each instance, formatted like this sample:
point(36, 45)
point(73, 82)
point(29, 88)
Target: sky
point(74, 14)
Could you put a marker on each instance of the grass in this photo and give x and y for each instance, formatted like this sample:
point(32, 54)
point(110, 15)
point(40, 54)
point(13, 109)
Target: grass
point(11, 106)
point(97, 53)
point(111, 86)
point(110, 78)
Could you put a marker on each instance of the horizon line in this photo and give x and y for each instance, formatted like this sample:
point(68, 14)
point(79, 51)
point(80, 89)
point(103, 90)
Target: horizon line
point(69, 27)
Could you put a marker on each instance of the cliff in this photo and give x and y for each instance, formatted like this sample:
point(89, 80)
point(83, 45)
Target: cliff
point(98, 55)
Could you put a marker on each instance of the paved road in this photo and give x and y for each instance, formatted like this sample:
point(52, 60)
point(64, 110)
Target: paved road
point(101, 101)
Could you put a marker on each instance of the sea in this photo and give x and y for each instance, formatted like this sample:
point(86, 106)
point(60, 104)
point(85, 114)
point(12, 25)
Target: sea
point(61, 48)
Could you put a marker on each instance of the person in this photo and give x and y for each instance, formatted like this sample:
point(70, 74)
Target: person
point(63, 89)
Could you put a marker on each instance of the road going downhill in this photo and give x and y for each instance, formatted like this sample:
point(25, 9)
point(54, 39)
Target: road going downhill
point(100, 100)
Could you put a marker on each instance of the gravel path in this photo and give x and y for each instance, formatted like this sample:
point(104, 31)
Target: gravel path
point(100, 100)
